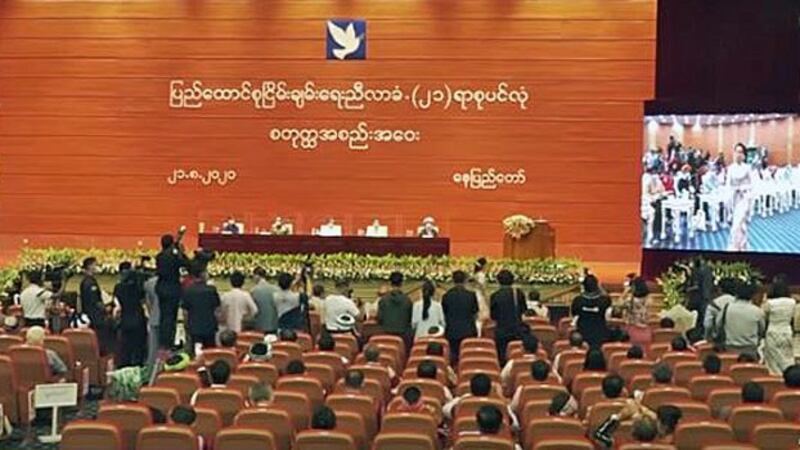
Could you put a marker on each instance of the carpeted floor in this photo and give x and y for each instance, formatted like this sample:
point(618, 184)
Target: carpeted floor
point(41, 427)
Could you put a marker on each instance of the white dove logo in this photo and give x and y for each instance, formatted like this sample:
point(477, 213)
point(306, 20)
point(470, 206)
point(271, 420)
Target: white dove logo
point(344, 38)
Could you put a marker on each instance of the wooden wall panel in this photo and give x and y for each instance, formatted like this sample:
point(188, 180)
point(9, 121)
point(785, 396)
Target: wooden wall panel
point(88, 140)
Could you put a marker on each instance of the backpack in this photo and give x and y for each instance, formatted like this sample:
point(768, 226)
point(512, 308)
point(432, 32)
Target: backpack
point(717, 333)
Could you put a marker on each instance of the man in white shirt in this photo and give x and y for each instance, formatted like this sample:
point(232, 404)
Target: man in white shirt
point(330, 229)
point(377, 230)
point(35, 300)
point(237, 304)
point(338, 304)
point(727, 287)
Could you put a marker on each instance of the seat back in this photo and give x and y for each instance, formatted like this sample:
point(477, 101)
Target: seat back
point(359, 404)
point(8, 340)
point(702, 385)
point(30, 364)
point(776, 435)
point(323, 440)
point(410, 423)
point(227, 402)
point(207, 424)
point(9, 389)
point(646, 446)
point(265, 372)
point(547, 335)
point(329, 359)
point(350, 341)
point(370, 387)
point(129, 419)
point(212, 355)
point(572, 354)
point(563, 444)
point(692, 410)
point(477, 353)
point(552, 427)
point(297, 405)
point(602, 411)
point(483, 443)
point(167, 437)
point(632, 367)
point(697, 435)
point(185, 384)
point(744, 419)
point(657, 396)
point(324, 374)
point(789, 403)
point(723, 399)
point(62, 347)
point(664, 335)
point(242, 383)
point(90, 435)
point(160, 398)
point(469, 406)
point(292, 349)
point(771, 385)
point(589, 397)
point(309, 386)
point(394, 441)
point(477, 363)
point(540, 392)
point(352, 424)
point(429, 388)
point(744, 372)
point(243, 439)
point(276, 420)
point(684, 371)
point(586, 380)
point(87, 351)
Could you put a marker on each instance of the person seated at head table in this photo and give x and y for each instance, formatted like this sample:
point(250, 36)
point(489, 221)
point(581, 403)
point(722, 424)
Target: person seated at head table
point(330, 229)
point(428, 229)
point(230, 226)
point(376, 229)
point(280, 228)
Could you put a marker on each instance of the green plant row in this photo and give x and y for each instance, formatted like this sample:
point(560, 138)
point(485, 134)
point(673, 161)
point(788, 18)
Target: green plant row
point(674, 281)
point(336, 266)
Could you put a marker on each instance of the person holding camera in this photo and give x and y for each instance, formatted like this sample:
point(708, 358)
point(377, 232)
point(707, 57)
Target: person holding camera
point(168, 287)
point(36, 299)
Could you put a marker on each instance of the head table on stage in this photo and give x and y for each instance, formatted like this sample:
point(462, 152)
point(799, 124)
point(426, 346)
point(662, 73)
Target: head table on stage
point(320, 245)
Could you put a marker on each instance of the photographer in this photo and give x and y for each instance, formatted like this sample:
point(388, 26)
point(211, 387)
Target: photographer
point(129, 294)
point(35, 300)
point(168, 287)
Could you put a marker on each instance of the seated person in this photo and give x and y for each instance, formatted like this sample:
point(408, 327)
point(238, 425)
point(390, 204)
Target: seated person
point(326, 343)
point(428, 370)
point(230, 226)
point(259, 352)
point(747, 358)
point(679, 344)
point(377, 230)
point(186, 416)
point(666, 323)
point(428, 229)
point(712, 365)
point(437, 349)
point(220, 373)
point(594, 361)
point(645, 429)
point(288, 335)
point(479, 386)
point(752, 394)
point(295, 367)
point(791, 377)
point(575, 343)
point(490, 423)
point(227, 339)
point(665, 420)
point(535, 305)
point(330, 229)
point(530, 344)
point(540, 372)
point(372, 357)
point(323, 419)
point(317, 301)
point(662, 375)
point(280, 228)
point(613, 386)
point(35, 337)
point(635, 352)
point(563, 405)
point(354, 385)
point(260, 395)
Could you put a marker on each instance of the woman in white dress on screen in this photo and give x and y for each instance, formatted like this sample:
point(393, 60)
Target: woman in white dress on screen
point(740, 183)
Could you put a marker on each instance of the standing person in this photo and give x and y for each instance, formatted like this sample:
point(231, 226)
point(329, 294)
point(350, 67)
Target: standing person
point(727, 288)
point(168, 287)
point(394, 310)
point(460, 308)
point(153, 318)
point(638, 305)
point(507, 305)
point(289, 304)
point(237, 304)
point(133, 326)
point(702, 288)
point(742, 321)
point(479, 281)
point(201, 302)
point(740, 184)
point(337, 305)
point(591, 308)
point(91, 304)
point(266, 319)
point(35, 300)
point(779, 310)
point(428, 313)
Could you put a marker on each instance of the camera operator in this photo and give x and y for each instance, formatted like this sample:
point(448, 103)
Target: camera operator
point(168, 287)
point(36, 299)
point(129, 294)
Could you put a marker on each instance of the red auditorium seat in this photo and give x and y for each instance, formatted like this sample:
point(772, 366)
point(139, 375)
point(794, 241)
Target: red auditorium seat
point(129, 419)
point(167, 437)
point(276, 420)
point(323, 440)
point(227, 402)
point(776, 435)
point(244, 439)
point(160, 398)
point(697, 435)
point(742, 372)
point(90, 435)
point(392, 441)
point(744, 418)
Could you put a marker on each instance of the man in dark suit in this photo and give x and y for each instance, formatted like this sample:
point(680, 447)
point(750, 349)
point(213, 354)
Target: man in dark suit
point(91, 304)
point(460, 307)
point(168, 287)
point(507, 305)
point(201, 301)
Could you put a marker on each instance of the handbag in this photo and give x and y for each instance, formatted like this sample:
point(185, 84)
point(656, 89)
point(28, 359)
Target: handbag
point(718, 334)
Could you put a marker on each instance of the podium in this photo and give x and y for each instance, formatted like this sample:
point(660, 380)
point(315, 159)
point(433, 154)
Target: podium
point(539, 243)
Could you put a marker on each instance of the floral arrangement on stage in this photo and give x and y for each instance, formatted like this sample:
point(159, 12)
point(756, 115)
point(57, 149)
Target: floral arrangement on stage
point(7, 278)
point(518, 226)
point(336, 266)
point(675, 280)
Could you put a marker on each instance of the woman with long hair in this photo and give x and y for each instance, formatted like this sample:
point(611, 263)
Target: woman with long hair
point(479, 286)
point(779, 309)
point(428, 313)
point(740, 184)
point(636, 308)
point(590, 310)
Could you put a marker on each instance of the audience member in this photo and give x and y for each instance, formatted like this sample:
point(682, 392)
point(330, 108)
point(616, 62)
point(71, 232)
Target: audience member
point(129, 294)
point(35, 337)
point(260, 394)
point(535, 306)
point(263, 294)
point(530, 344)
point(201, 302)
point(666, 323)
point(288, 335)
point(35, 300)
point(317, 300)
point(259, 352)
point(635, 352)
point(791, 376)
point(237, 304)
point(289, 304)
point(591, 309)
point(372, 357)
point(752, 394)
point(186, 415)
point(679, 344)
point(412, 403)
point(295, 367)
point(563, 405)
point(91, 304)
point(490, 423)
point(645, 429)
point(337, 305)
point(479, 386)
point(460, 308)
point(436, 349)
point(747, 357)
point(220, 373)
point(594, 361)
point(712, 365)
point(326, 343)
point(637, 310)
point(779, 311)
point(662, 374)
point(575, 340)
point(227, 339)
point(506, 307)
point(323, 419)
point(428, 313)
point(540, 373)
point(613, 386)
point(743, 322)
point(169, 262)
point(394, 310)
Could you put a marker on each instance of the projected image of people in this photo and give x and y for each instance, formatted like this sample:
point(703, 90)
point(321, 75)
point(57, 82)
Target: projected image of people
point(722, 183)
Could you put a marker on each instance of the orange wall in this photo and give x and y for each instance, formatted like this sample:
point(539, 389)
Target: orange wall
point(87, 139)
point(779, 136)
